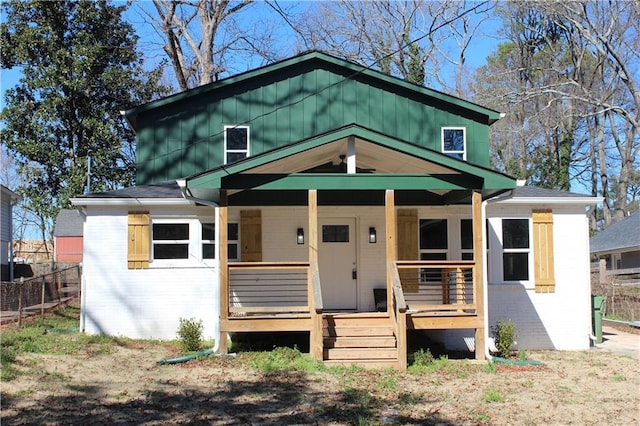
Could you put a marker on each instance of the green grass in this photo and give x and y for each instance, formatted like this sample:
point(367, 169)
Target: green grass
point(50, 335)
point(492, 395)
point(618, 378)
point(283, 359)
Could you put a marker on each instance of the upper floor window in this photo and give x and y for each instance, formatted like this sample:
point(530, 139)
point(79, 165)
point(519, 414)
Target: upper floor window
point(454, 142)
point(236, 143)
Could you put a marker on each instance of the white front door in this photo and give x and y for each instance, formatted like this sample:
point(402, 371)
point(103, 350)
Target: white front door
point(337, 263)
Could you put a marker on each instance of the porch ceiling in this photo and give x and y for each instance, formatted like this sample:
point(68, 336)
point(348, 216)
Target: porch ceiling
point(381, 163)
point(369, 156)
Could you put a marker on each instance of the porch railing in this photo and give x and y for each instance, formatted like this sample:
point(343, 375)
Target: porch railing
point(438, 286)
point(269, 288)
point(399, 312)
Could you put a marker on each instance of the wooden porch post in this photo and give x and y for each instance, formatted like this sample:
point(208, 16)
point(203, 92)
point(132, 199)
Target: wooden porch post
point(478, 275)
point(390, 231)
point(222, 223)
point(316, 345)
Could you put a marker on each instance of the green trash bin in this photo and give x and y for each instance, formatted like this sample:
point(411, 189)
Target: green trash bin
point(597, 305)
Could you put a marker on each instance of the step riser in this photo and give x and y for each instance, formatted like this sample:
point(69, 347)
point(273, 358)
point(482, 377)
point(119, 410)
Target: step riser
point(356, 322)
point(357, 331)
point(362, 363)
point(360, 354)
point(360, 342)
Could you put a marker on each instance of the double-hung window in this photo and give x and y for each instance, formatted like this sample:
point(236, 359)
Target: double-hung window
point(170, 241)
point(236, 143)
point(208, 241)
point(466, 239)
point(454, 142)
point(515, 249)
point(434, 245)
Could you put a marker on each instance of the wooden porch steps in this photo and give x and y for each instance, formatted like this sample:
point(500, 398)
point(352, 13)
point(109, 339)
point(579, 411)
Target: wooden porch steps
point(364, 339)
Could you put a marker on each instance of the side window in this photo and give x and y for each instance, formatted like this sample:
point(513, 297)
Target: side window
point(208, 241)
point(170, 240)
point(433, 246)
point(466, 238)
point(236, 143)
point(515, 249)
point(454, 142)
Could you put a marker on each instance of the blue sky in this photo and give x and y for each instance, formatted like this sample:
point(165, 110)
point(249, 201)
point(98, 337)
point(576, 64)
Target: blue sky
point(484, 42)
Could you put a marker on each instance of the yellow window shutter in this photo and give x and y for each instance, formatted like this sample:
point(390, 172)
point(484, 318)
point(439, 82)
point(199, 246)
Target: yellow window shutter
point(251, 235)
point(543, 251)
point(139, 242)
point(407, 229)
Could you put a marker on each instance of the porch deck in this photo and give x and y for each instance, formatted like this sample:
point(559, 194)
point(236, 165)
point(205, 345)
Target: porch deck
point(284, 297)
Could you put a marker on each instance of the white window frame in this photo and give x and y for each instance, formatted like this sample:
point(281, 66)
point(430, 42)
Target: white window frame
point(497, 250)
point(247, 151)
point(464, 250)
point(214, 242)
point(195, 242)
point(171, 262)
point(464, 142)
point(446, 251)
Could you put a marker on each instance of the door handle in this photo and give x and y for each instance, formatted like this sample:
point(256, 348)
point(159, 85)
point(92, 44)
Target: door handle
point(354, 274)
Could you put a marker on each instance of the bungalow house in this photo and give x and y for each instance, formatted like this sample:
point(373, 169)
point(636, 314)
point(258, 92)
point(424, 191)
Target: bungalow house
point(318, 196)
point(619, 244)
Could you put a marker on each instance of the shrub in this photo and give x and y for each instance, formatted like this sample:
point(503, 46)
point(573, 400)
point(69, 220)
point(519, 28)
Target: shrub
point(421, 358)
point(190, 334)
point(505, 334)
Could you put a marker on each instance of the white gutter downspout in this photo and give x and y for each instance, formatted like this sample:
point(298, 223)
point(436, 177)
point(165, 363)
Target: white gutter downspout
point(485, 281)
point(182, 183)
point(83, 284)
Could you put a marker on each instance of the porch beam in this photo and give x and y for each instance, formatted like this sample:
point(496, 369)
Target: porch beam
point(478, 273)
point(343, 181)
point(221, 224)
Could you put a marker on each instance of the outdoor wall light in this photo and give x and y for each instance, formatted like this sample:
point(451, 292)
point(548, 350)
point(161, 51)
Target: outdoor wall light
point(372, 235)
point(300, 236)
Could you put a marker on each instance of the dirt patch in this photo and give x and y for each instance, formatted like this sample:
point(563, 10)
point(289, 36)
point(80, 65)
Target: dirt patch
point(128, 386)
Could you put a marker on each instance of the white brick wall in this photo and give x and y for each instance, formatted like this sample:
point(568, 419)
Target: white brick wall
point(145, 303)
point(148, 303)
point(559, 320)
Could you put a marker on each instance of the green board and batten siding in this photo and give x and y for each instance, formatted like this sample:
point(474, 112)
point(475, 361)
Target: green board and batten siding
point(184, 136)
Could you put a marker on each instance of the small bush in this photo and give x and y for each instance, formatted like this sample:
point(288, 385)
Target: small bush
point(421, 358)
point(505, 334)
point(190, 334)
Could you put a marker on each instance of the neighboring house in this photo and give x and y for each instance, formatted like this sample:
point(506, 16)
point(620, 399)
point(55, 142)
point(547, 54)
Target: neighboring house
point(315, 195)
point(619, 244)
point(67, 236)
point(7, 199)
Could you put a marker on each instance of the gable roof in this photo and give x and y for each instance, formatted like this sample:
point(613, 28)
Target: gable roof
point(624, 234)
point(350, 70)
point(395, 164)
point(69, 223)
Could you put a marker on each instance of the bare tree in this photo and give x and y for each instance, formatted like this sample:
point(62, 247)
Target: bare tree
point(198, 35)
point(423, 42)
point(607, 36)
point(570, 76)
